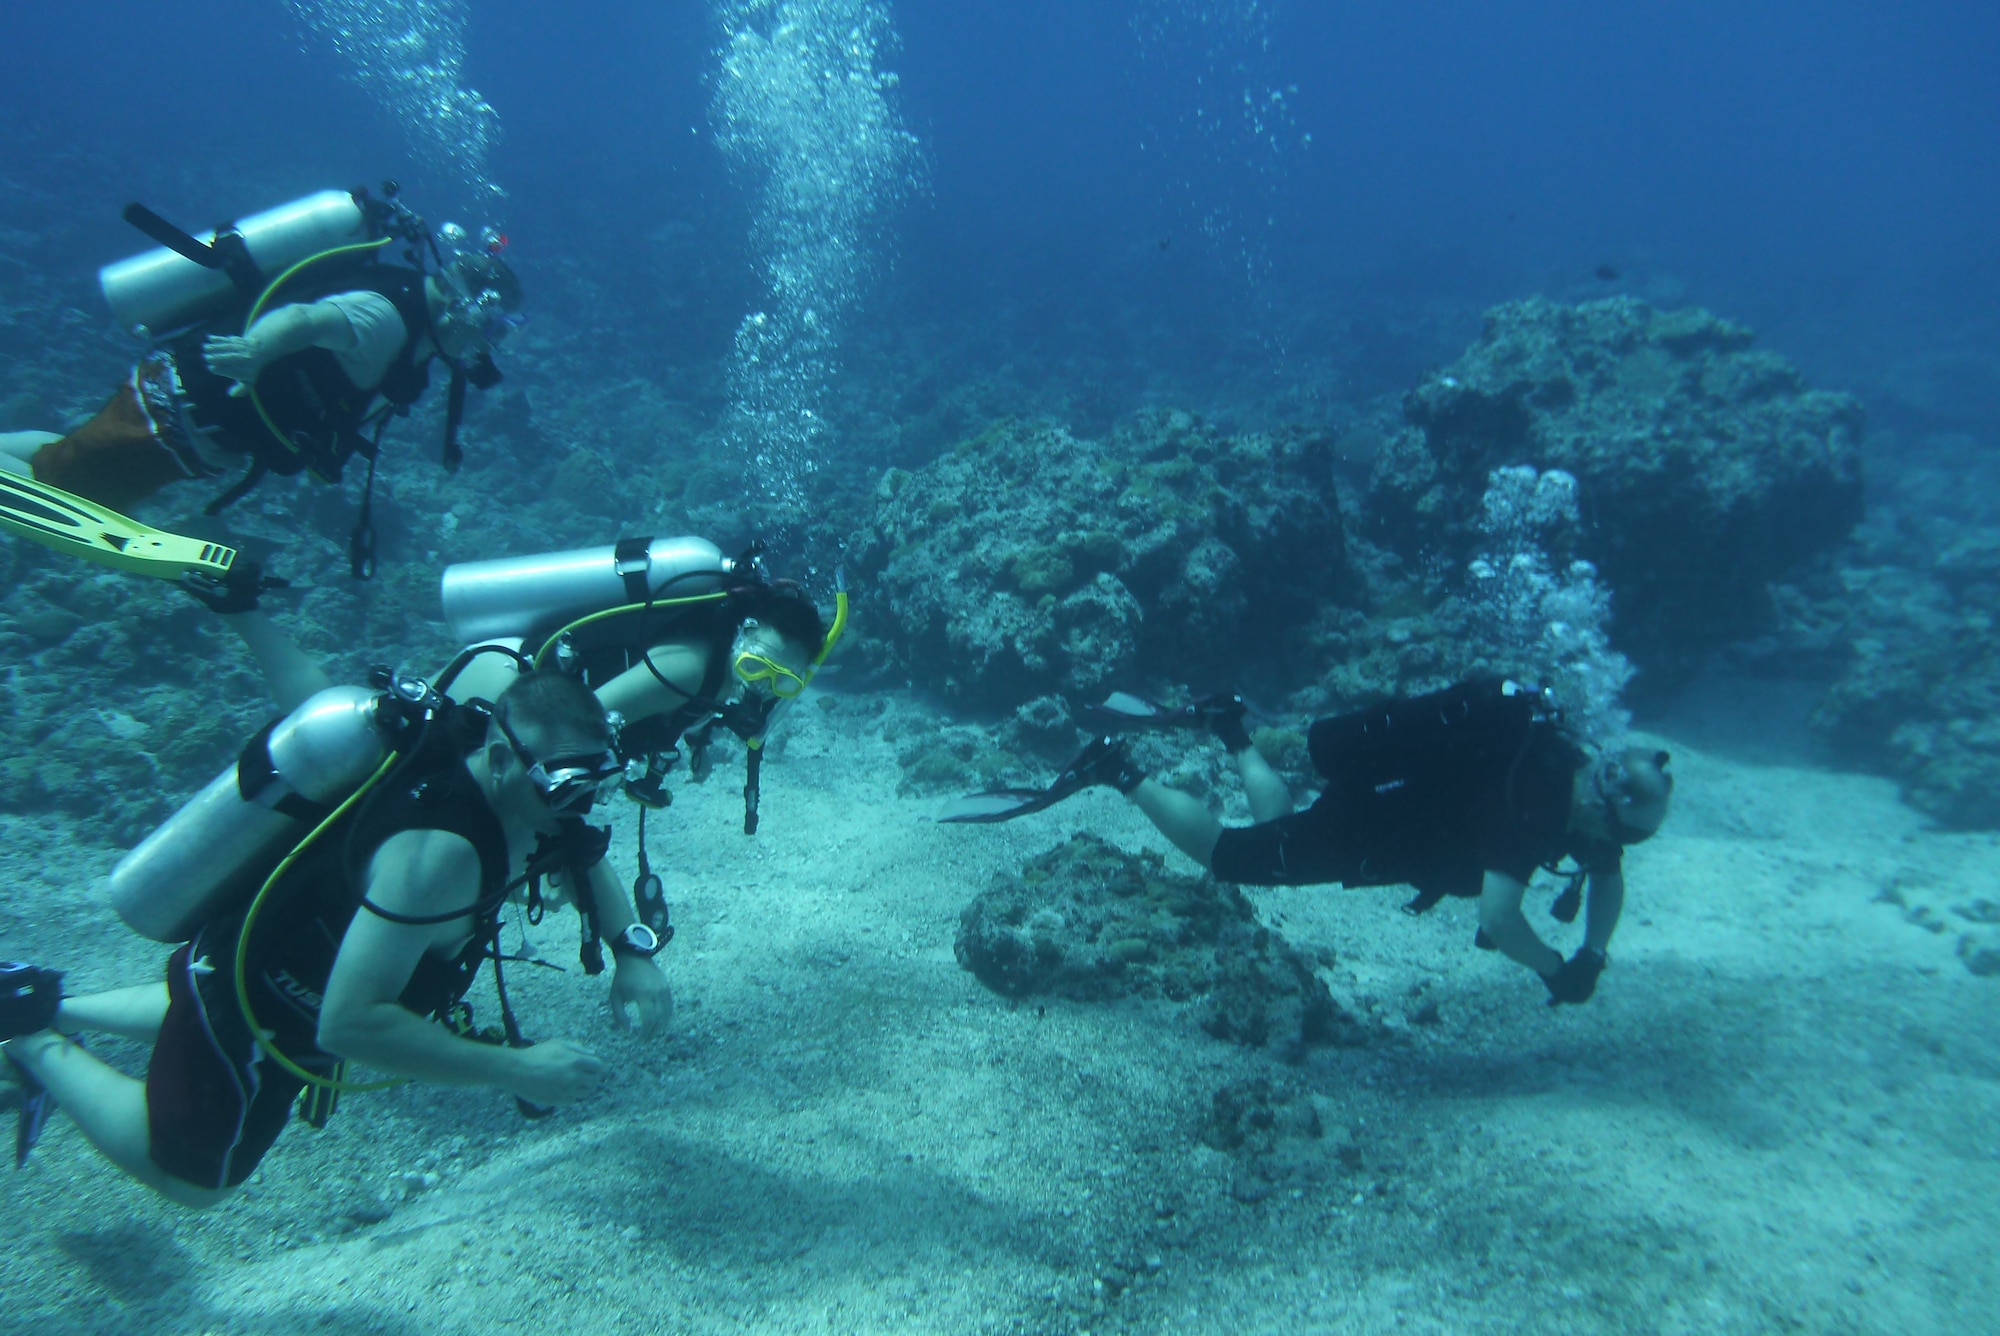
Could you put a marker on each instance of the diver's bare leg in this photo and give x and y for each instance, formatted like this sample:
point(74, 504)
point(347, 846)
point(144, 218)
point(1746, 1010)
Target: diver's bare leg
point(1181, 817)
point(109, 1108)
point(1269, 798)
point(132, 1013)
point(18, 449)
point(289, 675)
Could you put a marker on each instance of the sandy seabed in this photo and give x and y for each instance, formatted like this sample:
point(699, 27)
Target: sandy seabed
point(1781, 1112)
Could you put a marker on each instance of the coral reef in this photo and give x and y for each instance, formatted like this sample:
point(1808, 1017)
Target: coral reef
point(1706, 468)
point(1028, 561)
point(1089, 922)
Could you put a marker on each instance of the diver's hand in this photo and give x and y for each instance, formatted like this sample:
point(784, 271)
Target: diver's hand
point(235, 592)
point(234, 357)
point(1575, 979)
point(556, 1072)
point(638, 983)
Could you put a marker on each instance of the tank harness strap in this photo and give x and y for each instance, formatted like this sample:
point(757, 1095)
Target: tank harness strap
point(574, 850)
point(753, 773)
point(649, 893)
point(509, 1024)
point(632, 559)
point(257, 781)
point(454, 413)
point(228, 252)
point(1563, 909)
point(251, 477)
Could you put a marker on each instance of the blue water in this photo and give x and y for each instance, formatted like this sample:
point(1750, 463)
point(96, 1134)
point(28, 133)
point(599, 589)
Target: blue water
point(788, 255)
point(1822, 171)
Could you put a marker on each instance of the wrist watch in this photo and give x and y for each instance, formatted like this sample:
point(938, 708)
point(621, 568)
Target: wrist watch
point(637, 940)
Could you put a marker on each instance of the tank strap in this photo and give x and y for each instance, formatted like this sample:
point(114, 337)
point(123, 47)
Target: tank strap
point(632, 560)
point(258, 781)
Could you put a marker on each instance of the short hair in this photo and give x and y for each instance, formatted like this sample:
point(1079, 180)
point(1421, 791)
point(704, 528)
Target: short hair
point(553, 702)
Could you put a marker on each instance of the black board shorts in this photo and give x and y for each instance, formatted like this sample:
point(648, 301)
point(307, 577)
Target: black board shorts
point(1301, 849)
point(215, 1102)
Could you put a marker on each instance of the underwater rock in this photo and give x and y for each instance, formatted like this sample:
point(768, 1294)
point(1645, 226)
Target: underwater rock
point(1706, 467)
point(1279, 1135)
point(1027, 561)
point(1981, 952)
point(1913, 624)
point(1089, 922)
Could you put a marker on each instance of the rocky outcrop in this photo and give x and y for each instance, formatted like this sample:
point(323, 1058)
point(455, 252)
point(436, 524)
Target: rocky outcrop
point(1090, 922)
point(1706, 466)
point(1028, 561)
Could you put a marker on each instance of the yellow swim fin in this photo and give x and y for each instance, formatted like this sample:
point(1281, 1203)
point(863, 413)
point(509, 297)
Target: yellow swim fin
point(69, 523)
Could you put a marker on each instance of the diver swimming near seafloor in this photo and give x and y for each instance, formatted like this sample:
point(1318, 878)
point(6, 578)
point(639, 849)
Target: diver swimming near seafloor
point(1463, 792)
point(334, 893)
point(676, 639)
point(283, 343)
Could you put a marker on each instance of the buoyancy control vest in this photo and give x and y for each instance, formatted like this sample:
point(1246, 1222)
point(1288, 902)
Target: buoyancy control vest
point(313, 416)
point(294, 940)
point(1410, 778)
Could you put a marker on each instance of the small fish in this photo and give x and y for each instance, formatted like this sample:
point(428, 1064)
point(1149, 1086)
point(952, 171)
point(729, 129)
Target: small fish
point(1608, 273)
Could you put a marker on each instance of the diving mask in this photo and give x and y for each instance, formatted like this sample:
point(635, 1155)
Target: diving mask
point(756, 666)
point(570, 785)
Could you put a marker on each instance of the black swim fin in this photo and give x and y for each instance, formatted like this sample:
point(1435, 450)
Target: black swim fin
point(1126, 712)
point(1103, 761)
point(36, 1106)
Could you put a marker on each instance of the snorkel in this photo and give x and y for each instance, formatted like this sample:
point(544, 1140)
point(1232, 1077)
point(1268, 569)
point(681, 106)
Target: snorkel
point(754, 742)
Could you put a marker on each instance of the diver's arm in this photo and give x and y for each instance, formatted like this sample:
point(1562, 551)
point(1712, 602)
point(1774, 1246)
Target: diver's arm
point(279, 333)
point(635, 980)
point(1501, 919)
point(637, 693)
point(1605, 903)
point(423, 873)
point(289, 675)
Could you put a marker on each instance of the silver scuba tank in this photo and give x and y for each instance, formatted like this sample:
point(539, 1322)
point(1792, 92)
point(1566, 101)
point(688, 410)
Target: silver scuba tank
point(158, 290)
point(517, 596)
point(228, 837)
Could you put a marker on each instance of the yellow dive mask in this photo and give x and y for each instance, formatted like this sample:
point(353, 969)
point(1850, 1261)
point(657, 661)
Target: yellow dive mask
point(753, 668)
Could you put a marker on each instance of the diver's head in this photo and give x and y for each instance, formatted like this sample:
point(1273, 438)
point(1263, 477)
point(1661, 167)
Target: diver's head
point(474, 300)
point(548, 751)
point(779, 636)
point(1622, 795)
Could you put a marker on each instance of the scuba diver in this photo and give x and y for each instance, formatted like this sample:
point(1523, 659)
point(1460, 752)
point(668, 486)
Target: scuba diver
point(676, 639)
point(284, 342)
point(423, 818)
point(1463, 792)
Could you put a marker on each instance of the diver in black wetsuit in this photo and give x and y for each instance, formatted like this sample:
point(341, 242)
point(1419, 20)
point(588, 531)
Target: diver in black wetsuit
point(1463, 792)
